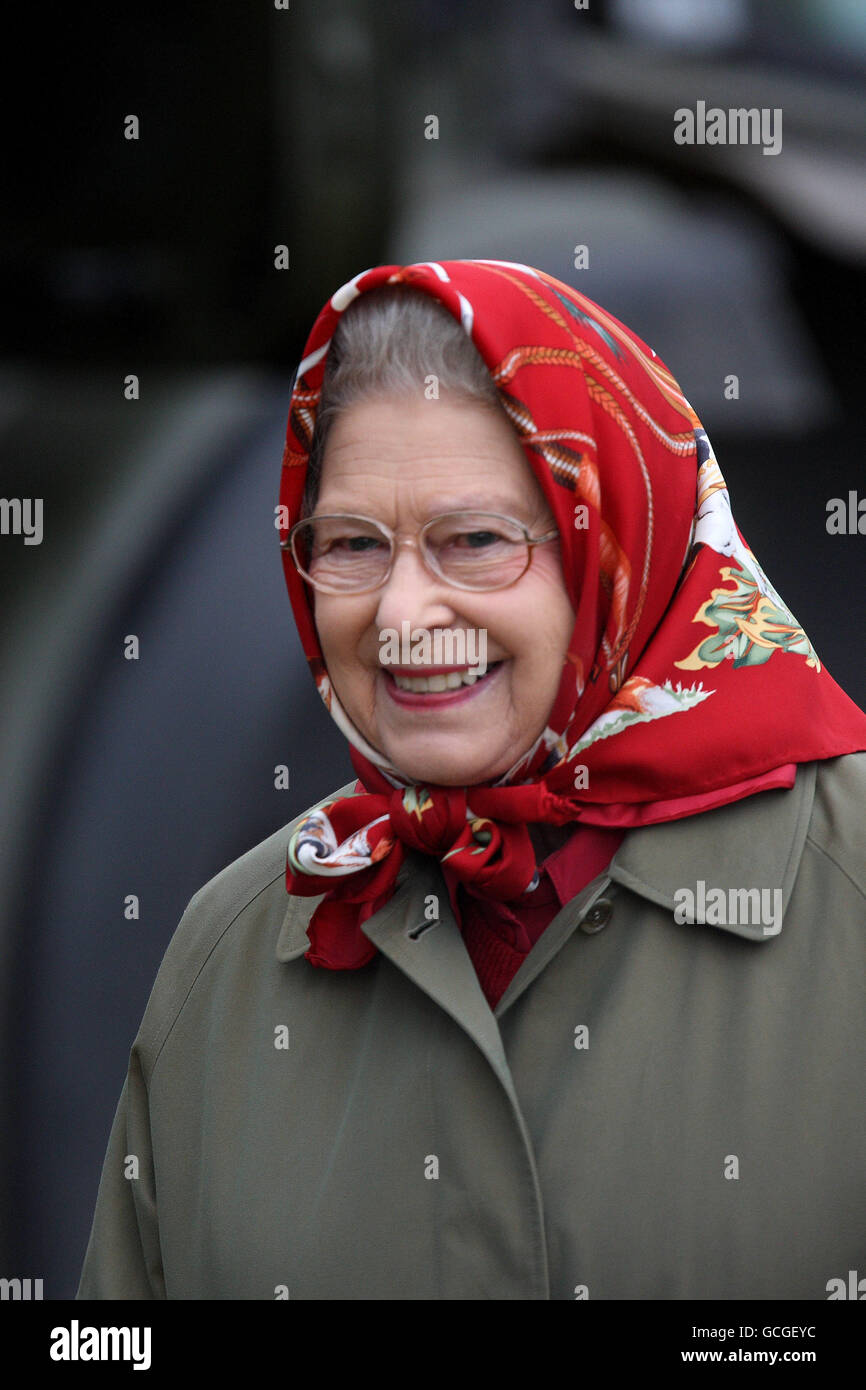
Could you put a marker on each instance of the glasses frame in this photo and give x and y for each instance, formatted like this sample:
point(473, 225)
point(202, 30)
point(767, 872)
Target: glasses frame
point(416, 542)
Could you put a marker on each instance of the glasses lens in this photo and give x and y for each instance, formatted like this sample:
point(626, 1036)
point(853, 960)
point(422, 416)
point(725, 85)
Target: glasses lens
point(341, 554)
point(477, 550)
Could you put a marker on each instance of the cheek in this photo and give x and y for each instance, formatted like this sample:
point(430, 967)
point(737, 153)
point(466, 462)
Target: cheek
point(555, 603)
point(546, 621)
point(546, 570)
point(340, 626)
point(333, 638)
point(542, 646)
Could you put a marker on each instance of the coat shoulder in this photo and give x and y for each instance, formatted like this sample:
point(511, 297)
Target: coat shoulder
point(247, 875)
point(838, 822)
point(248, 892)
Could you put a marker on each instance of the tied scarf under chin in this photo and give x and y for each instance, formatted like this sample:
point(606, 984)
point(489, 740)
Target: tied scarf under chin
point(363, 839)
point(687, 683)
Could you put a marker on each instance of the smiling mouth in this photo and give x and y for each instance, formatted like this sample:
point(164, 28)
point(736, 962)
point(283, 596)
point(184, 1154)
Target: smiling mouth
point(441, 681)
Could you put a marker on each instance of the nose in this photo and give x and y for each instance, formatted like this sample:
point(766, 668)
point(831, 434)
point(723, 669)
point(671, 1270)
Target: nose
point(413, 594)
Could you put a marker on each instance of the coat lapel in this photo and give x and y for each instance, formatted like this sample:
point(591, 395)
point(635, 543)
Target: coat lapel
point(417, 932)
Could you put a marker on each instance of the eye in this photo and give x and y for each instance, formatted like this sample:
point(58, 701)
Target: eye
point(357, 544)
point(474, 538)
point(340, 542)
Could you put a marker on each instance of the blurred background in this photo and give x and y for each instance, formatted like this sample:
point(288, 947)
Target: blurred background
point(305, 127)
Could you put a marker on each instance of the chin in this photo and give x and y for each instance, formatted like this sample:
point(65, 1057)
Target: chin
point(453, 772)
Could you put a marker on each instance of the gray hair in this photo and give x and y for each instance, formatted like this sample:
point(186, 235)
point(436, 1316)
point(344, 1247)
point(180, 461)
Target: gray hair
point(388, 342)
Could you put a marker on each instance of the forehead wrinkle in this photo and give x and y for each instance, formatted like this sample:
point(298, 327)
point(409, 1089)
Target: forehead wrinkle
point(368, 465)
point(353, 489)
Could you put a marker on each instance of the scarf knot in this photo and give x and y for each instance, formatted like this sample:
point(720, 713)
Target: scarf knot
point(430, 824)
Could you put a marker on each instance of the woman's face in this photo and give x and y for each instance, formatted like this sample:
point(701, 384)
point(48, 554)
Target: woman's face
point(403, 461)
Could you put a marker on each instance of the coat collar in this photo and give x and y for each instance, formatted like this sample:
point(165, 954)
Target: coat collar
point(753, 843)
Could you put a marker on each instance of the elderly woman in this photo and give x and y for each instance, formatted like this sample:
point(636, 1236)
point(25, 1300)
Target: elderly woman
point(559, 1001)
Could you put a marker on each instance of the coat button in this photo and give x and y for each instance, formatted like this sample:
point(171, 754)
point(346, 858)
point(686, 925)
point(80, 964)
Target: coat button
point(597, 917)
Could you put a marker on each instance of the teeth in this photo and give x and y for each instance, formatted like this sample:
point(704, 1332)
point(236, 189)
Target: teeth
point(421, 685)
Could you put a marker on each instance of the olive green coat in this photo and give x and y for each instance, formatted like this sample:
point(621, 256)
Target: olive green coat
point(655, 1109)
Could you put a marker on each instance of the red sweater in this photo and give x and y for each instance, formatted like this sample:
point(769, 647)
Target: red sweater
point(499, 936)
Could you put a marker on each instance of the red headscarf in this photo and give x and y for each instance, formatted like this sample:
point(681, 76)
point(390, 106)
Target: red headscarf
point(688, 683)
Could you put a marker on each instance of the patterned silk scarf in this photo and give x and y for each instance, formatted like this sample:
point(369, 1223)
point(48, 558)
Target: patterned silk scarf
point(688, 683)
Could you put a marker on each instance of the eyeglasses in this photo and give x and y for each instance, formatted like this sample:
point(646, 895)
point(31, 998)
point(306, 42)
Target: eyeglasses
point(469, 550)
